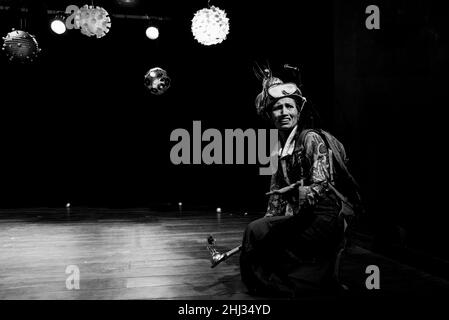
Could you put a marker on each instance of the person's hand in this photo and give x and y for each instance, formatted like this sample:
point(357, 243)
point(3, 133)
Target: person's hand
point(303, 195)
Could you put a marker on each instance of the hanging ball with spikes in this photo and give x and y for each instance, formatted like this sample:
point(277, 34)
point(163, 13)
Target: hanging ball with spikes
point(210, 26)
point(20, 46)
point(93, 21)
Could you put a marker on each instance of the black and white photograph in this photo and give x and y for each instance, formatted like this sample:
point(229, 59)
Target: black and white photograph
point(226, 156)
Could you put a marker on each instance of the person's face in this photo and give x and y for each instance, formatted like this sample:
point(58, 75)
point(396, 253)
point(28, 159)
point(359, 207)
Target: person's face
point(285, 114)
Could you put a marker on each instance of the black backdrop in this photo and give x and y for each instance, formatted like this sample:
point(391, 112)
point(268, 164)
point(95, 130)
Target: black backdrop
point(79, 126)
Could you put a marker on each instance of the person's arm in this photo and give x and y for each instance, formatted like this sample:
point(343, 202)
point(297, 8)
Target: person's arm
point(276, 205)
point(319, 174)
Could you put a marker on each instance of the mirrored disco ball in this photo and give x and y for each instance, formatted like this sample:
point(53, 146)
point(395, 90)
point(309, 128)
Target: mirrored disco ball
point(157, 81)
point(20, 46)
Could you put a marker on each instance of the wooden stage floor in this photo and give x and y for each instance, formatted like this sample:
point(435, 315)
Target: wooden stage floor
point(144, 254)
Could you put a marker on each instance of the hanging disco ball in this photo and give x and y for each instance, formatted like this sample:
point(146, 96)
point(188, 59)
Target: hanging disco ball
point(93, 21)
point(20, 46)
point(210, 26)
point(157, 81)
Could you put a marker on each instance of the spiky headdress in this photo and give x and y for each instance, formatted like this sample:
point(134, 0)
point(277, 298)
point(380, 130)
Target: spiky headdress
point(273, 89)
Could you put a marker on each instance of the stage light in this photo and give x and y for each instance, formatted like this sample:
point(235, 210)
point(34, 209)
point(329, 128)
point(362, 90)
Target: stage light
point(58, 26)
point(127, 3)
point(152, 32)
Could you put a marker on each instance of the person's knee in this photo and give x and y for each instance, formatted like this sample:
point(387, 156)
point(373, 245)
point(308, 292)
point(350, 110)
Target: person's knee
point(257, 229)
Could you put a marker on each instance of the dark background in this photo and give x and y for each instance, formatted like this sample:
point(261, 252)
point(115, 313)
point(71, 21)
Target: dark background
point(78, 125)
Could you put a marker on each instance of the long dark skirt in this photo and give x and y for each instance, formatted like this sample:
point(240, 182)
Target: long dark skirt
point(283, 255)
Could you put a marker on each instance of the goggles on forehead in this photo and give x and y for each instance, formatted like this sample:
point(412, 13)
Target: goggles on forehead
point(283, 90)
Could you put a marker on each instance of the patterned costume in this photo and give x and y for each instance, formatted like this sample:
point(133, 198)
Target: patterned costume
point(308, 163)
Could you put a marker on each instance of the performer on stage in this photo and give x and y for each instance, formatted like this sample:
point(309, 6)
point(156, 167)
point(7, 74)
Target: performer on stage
point(294, 245)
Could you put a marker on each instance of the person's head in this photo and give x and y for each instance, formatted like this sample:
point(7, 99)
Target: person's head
point(283, 104)
point(280, 103)
point(284, 113)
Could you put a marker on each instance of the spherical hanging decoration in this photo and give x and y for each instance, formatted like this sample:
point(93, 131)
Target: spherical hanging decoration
point(210, 26)
point(157, 81)
point(93, 21)
point(20, 46)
